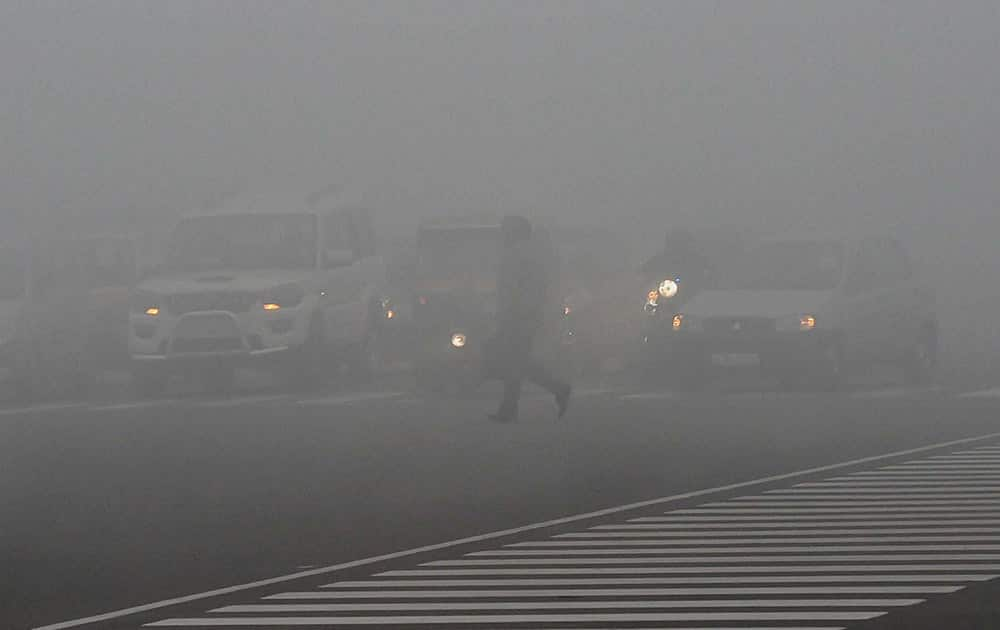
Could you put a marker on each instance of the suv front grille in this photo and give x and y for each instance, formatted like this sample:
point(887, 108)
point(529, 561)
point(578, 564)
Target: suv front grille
point(228, 301)
point(207, 345)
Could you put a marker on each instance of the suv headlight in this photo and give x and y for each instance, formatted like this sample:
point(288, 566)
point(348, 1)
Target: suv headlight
point(146, 303)
point(284, 296)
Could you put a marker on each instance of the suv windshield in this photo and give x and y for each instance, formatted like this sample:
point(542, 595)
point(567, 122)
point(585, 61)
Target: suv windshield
point(243, 242)
point(446, 251)
point(785, 266)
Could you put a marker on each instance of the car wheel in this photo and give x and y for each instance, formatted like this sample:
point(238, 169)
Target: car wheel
point(148, 381)
point(922, 359)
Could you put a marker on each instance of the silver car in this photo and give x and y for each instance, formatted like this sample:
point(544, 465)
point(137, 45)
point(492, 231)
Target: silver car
point(807, 310)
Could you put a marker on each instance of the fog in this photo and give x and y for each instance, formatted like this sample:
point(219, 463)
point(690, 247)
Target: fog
point(641, 115)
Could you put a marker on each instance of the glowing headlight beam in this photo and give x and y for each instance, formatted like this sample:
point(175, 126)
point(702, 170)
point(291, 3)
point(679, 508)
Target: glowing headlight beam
point(458, 340)
point(667, 288)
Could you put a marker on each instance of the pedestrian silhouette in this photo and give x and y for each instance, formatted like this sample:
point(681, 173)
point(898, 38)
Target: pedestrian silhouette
point(522, 287)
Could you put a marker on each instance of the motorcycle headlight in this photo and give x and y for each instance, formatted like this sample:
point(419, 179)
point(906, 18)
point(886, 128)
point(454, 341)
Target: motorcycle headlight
point(668, 288)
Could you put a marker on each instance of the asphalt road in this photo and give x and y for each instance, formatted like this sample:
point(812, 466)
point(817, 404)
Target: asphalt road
point(114, 505)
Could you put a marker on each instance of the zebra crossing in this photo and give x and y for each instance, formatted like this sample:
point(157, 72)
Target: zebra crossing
point(821, 554)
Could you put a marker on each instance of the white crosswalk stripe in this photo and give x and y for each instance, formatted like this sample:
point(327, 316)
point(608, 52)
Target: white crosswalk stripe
point(821, 554)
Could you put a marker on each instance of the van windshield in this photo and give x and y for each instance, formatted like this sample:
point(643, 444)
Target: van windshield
point(785, 266)
point(247, 241)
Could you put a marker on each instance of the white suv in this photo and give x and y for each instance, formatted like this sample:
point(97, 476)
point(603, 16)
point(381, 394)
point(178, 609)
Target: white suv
point(248, 286)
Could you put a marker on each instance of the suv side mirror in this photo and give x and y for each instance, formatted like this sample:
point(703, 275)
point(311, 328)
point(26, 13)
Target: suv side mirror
point(338, 258)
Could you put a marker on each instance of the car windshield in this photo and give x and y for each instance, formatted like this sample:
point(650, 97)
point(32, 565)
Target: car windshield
point(444, 252)
point(243, 242)
point(785, 266)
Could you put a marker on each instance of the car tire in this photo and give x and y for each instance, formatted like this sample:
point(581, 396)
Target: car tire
point(921, 361)
point(148, 381)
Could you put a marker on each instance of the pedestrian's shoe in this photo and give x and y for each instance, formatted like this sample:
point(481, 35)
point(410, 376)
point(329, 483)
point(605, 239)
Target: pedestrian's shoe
point(562, 399)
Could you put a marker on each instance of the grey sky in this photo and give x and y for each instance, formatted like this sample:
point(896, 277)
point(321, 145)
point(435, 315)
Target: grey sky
point(701, 111)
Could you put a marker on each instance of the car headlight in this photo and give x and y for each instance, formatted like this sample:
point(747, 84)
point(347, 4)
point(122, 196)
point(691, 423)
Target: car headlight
point(145, 303)
point(284, 296)
point(458, 340)
point(794, 323)
point(668, 288)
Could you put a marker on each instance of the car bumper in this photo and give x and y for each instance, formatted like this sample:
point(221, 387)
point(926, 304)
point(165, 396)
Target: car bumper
point(229, 355)
point(768, 350)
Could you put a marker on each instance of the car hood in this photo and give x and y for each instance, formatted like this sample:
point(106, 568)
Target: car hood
point(222, 280)
point(756, 303)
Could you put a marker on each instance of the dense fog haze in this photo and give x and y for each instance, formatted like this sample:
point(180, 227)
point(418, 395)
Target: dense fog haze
point(836, 115)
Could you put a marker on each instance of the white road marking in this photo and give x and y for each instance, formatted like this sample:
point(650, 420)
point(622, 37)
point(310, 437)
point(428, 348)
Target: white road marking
point(709, 552)
point(901, 557)
point(888, 483)
point(970, 493)
point(515, 531)
point(784, 524)
point(783, 503)
point(44, 408)
point(582, 604)
point(833, 519)
point(134, 405)
point(921, 475)
point(440, 620)
point(983, 393)
point(665, 581)
point(616, 592)
point(725, 570)
point(346, 399)
point(844, 510)
point(749, 532)
point(238, 401)
point(766, 540)
point(650, 396)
